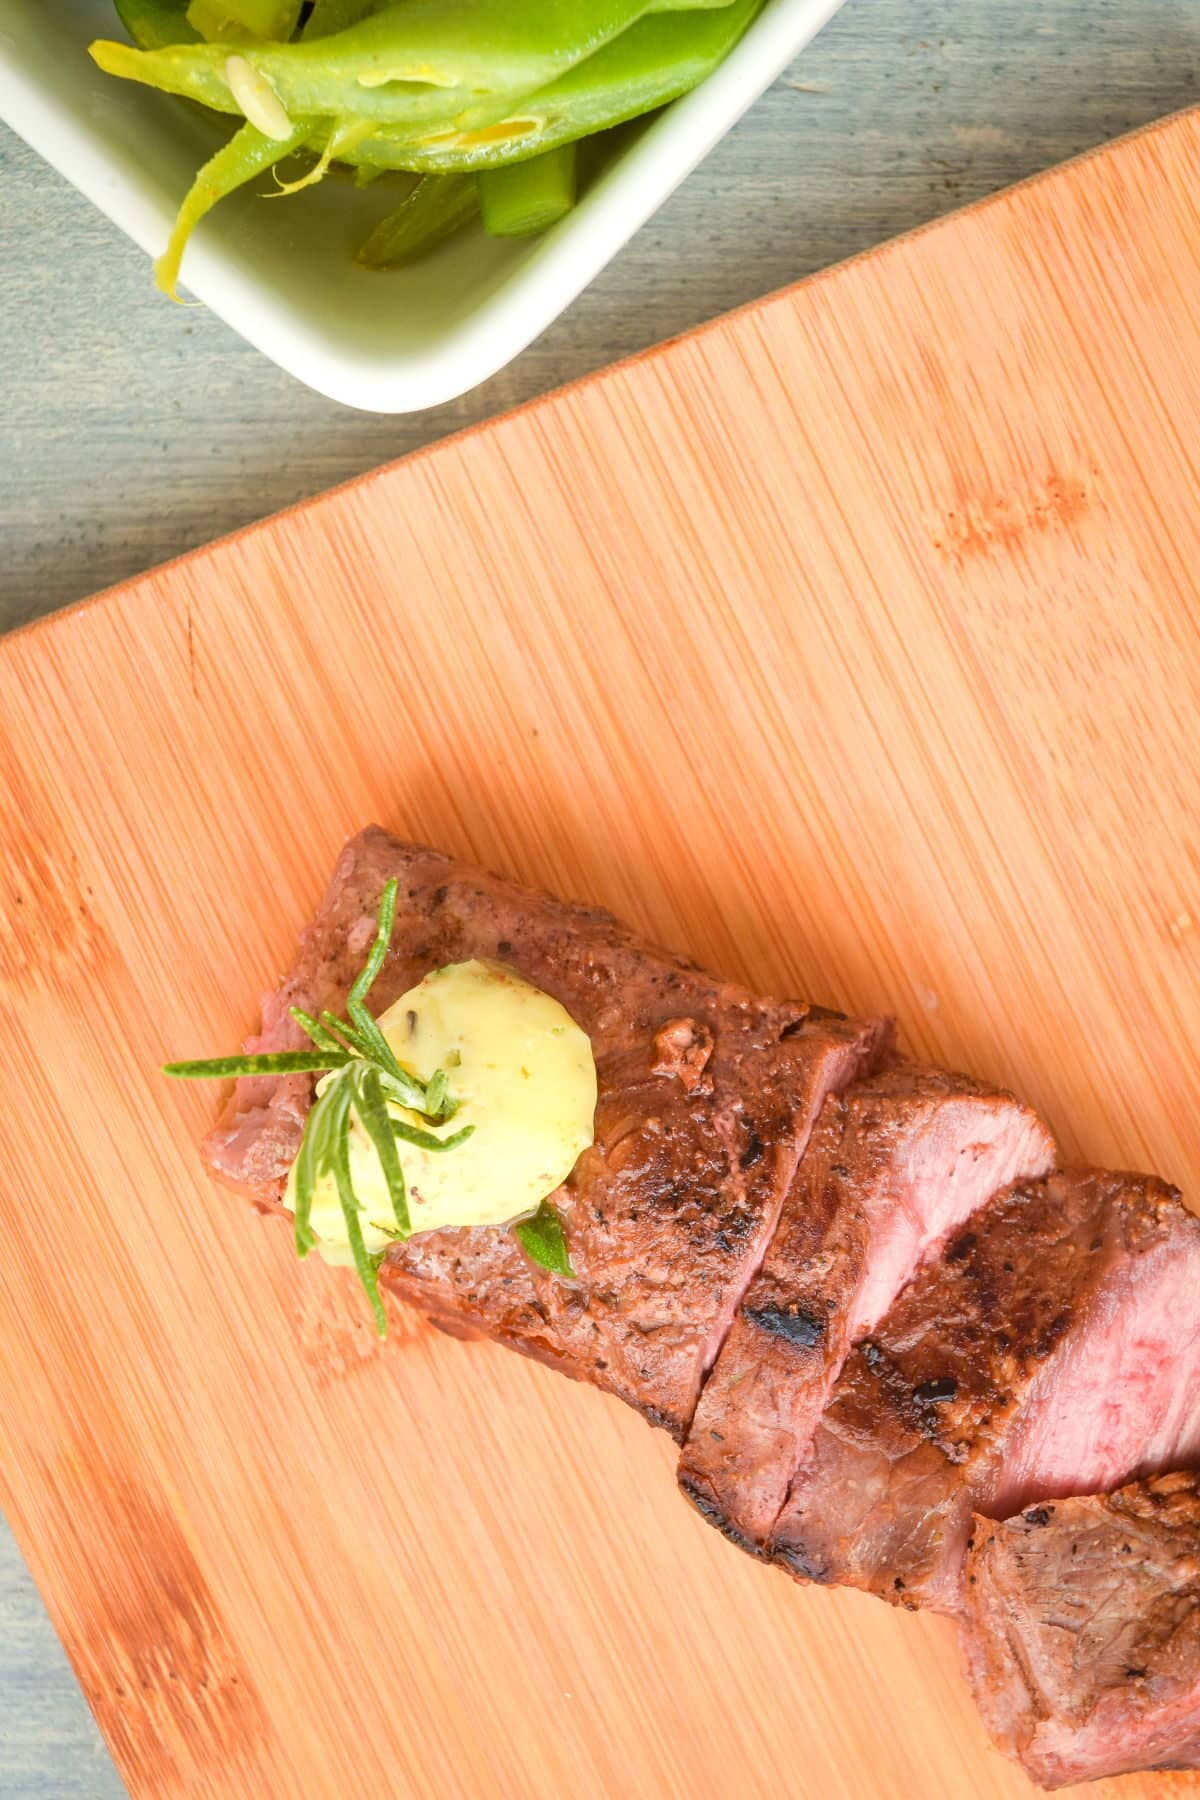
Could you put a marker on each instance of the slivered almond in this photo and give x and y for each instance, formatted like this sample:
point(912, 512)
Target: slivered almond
point(257, 98)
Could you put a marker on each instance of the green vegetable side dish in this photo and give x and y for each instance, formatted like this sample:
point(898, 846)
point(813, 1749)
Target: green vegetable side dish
point(479, 102)
point(527, 197)
point(364, 1078)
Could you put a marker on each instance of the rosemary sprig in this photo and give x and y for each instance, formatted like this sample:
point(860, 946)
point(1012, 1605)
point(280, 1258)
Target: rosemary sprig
point(364, 1077)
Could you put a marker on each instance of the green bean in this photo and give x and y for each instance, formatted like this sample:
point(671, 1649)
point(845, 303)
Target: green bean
point(437, 207)
point(247, 154)
point(526, 197)
point(328, 16)
point(153, 24)
point(331, 16)
point(422, 61)
point(438, 88)
point(655, 61)
point(200, 72)
point(235, 21)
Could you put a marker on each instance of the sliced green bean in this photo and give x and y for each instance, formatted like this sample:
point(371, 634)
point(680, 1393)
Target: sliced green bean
point(426, 60)
point(655, 61)
point(433, 87)
point(527, 197)
point(234, 21)
point(437, 208)
point(153, 24)
point(247, 154)
point(199, 72)
point(331, 16)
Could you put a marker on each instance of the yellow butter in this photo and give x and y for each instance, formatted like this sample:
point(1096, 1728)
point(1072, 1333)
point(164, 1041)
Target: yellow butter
point(525, 1077)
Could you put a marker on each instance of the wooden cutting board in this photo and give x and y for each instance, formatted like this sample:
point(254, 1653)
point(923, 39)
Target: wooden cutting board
point(851, 644)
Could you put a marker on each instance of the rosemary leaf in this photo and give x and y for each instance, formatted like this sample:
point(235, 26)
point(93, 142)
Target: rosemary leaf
point(276, 1062)
point(425, 1140)
point(379, 949)
point(543, 1241)
point(329, 1122)
point(406, 1091)
point(347, 1033)
point(306, 1178)
point(437, 1089)
point(364, 1263)
point(377, 1122)
point(375, 1046)
point(324, 1040)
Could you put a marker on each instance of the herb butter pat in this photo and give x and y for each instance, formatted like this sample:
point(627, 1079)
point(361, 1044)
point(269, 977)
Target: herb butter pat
point(524, 1077)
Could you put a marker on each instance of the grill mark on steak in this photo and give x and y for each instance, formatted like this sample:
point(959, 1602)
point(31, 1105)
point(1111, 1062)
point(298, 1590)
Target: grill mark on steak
point(707, 1095)
point(930, 1393)
point(717, 1519)
point(1081, 1631)
point(792, 1322)
point(1043, 1358)
point(895, 1162)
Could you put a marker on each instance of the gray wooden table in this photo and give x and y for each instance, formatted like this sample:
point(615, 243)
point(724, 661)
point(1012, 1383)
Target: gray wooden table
point(131, 430)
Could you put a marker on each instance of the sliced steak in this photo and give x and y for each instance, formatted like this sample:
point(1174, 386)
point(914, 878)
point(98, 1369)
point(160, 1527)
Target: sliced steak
point(895, 1163)
point(1081, 1632)
point(707, 1095)
point(1053, 1350)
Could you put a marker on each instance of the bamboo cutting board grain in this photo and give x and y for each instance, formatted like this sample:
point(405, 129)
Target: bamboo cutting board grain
point(851, 645)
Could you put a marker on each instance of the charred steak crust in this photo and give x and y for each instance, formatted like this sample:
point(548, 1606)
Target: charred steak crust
point(1081, 1631)
point(894, 1162)
point(707, 1095)
point(939, 1410)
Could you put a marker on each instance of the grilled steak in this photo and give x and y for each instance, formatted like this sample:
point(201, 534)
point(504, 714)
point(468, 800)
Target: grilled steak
point(895, 1163)
point(1081, 1633)
point(903, 1325)
point(1054, 1350)
point(707, 1095)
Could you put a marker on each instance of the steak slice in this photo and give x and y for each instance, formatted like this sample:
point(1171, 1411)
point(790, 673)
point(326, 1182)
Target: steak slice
point(1053, 1350)
point(1081, 1632)
point(707, 1095)
point(895, 1163)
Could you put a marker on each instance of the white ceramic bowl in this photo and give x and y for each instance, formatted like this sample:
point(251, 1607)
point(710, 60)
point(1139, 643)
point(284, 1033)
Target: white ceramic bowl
point(281, 273)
